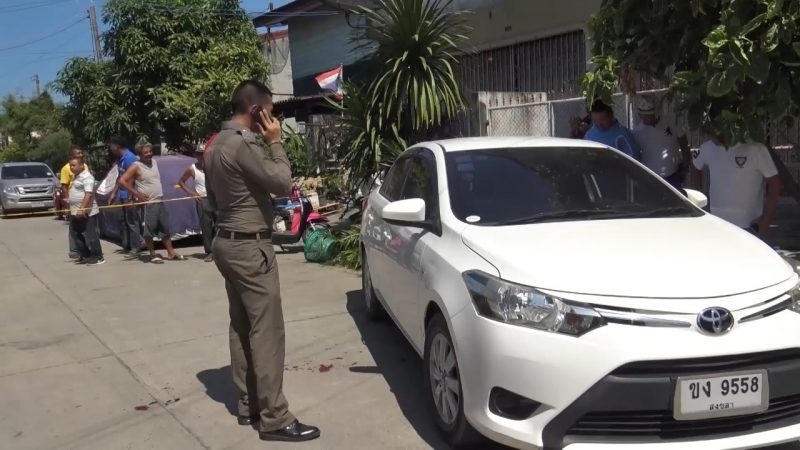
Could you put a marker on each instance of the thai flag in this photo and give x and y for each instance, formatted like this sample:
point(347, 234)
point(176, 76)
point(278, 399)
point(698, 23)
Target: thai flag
point(331, 80)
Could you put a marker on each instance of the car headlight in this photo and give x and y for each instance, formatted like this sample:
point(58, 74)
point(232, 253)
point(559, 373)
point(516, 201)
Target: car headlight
point(795, 292)
point(525, 306)
point(10, 190)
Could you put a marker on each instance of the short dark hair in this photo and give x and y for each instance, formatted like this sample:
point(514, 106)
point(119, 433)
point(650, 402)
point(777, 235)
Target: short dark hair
point(247, 94)
point(117, 140)
point(600, 106)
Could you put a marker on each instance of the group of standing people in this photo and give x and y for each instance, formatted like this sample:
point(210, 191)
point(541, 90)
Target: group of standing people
point(741, 175)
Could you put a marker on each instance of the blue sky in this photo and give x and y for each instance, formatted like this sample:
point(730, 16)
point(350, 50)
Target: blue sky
point(23, 21)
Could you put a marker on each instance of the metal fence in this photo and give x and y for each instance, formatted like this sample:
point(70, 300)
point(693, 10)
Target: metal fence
point(553, 118)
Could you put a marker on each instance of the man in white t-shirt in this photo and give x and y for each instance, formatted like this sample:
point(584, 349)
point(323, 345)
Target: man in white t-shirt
point(665, 149)
point(83, 215)
point(739, 175)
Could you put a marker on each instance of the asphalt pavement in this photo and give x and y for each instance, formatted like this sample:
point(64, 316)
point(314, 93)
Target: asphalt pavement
point(130, 355)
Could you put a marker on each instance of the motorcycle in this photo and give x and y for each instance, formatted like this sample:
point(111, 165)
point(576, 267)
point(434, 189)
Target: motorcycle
point(304, 220)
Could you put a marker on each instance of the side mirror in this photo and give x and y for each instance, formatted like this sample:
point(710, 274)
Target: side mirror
point(409, 212)
point(697, 198)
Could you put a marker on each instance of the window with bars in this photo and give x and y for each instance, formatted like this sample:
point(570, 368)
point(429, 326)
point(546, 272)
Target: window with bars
point(552, 64)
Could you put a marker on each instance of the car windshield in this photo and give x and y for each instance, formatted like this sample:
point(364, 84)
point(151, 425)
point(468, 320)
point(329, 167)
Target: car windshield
point(25, 172)
point(529, 185)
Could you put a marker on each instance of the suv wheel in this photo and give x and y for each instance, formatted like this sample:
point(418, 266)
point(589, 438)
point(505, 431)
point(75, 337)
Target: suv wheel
point(443, 383)
point(374, 308)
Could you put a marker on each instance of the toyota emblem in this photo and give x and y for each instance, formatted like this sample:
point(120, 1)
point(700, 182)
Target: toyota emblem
point(715, 320)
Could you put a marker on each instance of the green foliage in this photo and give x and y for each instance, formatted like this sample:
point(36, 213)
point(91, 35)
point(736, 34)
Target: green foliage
point(731, 64)
point(603, 82)
point(349, 248)
point(35, 130)
point(368, 147)
point(415, 43)
point(297, 151)
point(171, 67)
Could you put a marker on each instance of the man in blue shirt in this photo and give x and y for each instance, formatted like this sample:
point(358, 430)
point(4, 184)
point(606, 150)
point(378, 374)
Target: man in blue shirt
point(131, 237)
point(608, 131)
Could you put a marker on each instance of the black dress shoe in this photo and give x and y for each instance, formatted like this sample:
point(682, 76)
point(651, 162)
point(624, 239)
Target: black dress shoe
point(294, 432)
point(245, 420)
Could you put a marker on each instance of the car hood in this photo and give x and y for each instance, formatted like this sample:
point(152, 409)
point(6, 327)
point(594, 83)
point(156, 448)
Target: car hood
point(699, 257)
point(30, 182)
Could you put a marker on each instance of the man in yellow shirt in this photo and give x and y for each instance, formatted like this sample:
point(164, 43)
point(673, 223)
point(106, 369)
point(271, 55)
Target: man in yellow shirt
point(65, 178)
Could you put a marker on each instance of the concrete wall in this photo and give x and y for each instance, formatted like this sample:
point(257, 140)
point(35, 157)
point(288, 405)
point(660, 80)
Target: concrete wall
point(279, 55)
point(321, 43)
point(497, 23)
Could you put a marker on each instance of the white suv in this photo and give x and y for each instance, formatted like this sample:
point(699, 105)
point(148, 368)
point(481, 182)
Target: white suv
point(564, 296)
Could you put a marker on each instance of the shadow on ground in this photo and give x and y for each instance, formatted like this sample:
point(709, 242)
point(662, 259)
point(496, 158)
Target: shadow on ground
point(219, 387)
point(400, 365)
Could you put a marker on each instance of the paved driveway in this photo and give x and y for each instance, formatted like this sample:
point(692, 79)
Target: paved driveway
point(135, 356)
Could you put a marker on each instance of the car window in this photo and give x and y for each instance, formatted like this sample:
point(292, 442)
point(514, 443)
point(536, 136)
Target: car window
point(508, 186)
point(420, 183)
point(393, 184)
point(25, 172)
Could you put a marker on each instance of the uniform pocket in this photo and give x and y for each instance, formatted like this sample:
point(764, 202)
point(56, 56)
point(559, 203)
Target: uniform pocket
point(267, 256)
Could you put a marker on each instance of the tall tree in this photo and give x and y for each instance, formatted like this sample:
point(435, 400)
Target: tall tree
point(171, 66)
point(733, 66)
point(35, 130)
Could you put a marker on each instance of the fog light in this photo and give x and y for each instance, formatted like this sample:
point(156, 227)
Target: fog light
point(509, 405)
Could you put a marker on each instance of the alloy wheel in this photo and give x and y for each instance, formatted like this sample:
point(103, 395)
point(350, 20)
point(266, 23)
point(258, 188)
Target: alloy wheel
point(445, 383)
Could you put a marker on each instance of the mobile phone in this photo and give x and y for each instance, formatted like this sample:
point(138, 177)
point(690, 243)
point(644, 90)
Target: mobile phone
point(255, 113)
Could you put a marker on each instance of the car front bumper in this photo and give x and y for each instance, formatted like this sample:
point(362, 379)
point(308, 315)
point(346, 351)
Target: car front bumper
point(28, 202)
point(613, 387)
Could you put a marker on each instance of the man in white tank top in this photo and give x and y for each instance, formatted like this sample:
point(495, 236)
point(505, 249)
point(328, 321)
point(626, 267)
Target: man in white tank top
point(204, 209)
point(143, 180)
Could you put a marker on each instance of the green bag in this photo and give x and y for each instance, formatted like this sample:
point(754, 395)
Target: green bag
point(321, 247)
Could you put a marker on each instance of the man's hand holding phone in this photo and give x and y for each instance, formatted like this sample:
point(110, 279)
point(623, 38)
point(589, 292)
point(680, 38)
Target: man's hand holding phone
point(269, 127)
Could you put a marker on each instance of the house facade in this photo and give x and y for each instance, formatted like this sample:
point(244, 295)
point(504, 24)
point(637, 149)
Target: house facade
point(515, 45)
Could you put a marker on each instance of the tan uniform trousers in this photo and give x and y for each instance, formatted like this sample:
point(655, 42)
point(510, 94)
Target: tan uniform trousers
point(257, 336)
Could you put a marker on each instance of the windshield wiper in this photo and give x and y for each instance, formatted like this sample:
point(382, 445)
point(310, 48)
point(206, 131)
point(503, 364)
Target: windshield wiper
point(667, 211)
point(567, 214)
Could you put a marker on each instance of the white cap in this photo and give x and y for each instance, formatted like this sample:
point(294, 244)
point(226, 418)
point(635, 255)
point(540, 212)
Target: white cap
point(647, 105)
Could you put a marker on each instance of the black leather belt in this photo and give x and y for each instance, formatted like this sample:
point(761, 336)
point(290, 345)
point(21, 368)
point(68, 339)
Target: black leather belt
point(237, 236)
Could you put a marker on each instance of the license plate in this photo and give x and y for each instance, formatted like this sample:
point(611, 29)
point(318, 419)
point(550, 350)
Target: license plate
point(37, 205)
point(725, 395)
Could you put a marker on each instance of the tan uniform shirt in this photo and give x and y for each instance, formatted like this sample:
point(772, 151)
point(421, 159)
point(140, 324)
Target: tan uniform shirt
point(240, 176)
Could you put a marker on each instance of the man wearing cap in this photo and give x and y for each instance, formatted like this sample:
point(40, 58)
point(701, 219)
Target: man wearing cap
point(665, 149)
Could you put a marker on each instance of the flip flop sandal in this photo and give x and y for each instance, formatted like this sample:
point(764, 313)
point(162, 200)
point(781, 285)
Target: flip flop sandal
point(177, 258)
point(157, 260)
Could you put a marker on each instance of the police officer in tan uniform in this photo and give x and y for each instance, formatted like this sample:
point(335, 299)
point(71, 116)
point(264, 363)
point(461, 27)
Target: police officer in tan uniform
point(244, 165)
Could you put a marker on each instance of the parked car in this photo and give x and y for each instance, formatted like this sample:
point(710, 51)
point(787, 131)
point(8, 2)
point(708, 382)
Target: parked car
point(26, 186)
point(564, 296)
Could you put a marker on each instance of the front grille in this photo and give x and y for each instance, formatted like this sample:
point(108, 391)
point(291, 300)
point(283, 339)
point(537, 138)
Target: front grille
point(707, 365)
point(34, 189)
point(36, 199)
point(661, 424)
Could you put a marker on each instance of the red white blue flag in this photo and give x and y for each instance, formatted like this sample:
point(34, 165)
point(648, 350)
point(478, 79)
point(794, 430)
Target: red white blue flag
point(331, 80)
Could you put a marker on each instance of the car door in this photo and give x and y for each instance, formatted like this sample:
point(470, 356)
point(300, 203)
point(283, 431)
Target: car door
point(408, 245)
point(377, 234)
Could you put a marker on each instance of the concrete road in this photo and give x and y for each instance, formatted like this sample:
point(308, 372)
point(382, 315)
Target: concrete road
point(131, 355)
point(134, 355)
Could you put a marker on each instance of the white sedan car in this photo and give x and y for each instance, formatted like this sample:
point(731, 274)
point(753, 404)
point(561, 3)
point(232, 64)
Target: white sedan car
point(564, 296)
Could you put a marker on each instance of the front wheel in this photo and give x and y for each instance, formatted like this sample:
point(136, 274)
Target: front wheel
point(443, 383)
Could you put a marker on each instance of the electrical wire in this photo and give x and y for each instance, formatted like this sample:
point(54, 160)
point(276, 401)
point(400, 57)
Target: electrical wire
point(49, 35)
point(19, 7)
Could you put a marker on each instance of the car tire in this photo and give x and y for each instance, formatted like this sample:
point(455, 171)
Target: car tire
point(373, 307)
point(440, 371)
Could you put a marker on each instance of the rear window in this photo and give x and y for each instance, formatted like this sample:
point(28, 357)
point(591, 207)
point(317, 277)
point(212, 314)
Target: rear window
point(25, 172)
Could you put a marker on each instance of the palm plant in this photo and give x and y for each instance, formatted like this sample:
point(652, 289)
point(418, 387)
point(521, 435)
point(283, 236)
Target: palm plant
point(368, 147)
point(415, 45)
